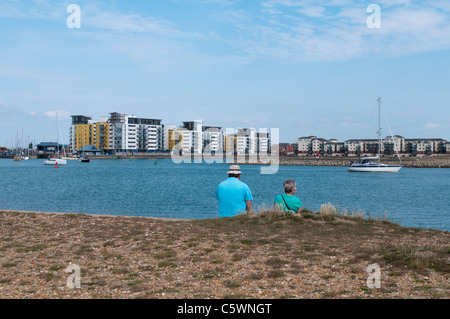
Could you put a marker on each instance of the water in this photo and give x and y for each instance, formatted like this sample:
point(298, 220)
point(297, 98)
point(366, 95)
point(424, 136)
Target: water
point(414, 197)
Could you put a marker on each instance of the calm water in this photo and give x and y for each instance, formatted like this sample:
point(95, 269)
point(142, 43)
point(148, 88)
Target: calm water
point(414, 197)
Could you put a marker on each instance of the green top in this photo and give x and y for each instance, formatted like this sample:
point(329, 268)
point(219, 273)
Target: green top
point(293, 203)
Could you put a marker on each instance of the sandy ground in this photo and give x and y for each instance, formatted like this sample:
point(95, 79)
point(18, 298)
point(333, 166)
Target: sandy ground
point(268, 257)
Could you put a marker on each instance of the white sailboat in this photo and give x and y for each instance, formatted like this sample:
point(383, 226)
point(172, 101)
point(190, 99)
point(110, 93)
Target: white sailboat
point(59, 160)
point(373, 164)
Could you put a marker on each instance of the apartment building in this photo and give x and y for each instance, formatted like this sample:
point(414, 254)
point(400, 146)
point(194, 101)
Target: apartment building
point(263, 143)
point(230, 144)
point(425, 146)
point(192, 137)
point(128, 133)
point(213, 139)
point(84, 131)
point(390, 145)
point(313, 145)
point(118, 133)
point(246, 141)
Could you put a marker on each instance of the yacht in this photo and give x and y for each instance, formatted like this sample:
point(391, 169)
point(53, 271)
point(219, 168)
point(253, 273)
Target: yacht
point(373, 164)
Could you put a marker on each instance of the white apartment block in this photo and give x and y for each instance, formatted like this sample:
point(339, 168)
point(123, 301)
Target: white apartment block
point(192, 139)
point(128, 133)
point(264, 143)
point(246, 141)
point(197, 139)
point(312, 145)
point(213, 139)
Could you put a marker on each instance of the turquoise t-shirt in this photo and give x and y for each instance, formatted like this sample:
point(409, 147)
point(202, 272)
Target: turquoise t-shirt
point(232, 195)
point(293, 203)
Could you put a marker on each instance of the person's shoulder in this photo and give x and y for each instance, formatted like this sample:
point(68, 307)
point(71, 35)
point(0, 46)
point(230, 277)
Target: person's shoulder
point(243, 184)
point(296, 199)
point(223, 183)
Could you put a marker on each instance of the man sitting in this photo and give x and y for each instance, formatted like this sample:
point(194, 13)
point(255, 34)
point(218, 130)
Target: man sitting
point(234, 196)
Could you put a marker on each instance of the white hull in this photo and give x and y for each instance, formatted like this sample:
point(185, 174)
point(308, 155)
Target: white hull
point(374, 168)
point(55, 161)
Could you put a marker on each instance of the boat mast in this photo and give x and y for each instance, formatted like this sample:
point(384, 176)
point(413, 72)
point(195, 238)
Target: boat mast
point(379, 129)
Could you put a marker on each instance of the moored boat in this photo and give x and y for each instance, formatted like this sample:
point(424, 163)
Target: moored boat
point(55, 161)
point(367, 164)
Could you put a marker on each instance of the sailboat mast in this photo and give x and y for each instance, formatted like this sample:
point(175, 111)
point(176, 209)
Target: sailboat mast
point(379, 129)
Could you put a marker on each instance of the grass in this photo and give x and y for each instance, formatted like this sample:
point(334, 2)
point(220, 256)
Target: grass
point(250, 255)
point(332, 231)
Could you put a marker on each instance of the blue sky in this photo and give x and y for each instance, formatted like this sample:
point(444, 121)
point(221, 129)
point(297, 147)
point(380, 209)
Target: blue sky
point(305, 67)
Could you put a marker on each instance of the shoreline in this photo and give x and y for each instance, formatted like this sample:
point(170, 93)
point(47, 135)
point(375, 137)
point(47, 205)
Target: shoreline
point(283, 160)
point(269, 256)
point(434, 162)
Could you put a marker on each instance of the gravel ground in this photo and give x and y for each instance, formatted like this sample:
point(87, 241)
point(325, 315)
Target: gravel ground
point(267, 257)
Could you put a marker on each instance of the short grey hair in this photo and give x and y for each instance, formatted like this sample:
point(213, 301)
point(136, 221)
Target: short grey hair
point(289, 186)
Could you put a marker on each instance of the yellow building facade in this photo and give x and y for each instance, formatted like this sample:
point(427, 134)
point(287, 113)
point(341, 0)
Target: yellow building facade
point(230, 142)
point(91, 134)
point(175, 137)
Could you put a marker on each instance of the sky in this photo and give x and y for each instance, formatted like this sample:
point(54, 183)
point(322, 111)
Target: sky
point(306, 67)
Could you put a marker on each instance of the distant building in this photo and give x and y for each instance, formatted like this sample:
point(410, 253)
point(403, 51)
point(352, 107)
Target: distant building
point(263, 143)
point(286, 149)
point(246, 141)
point(313, 145)
point(230, 144)
point(118, 133)
point(128, 133)
point(170, 140)
point(390, 145)
point(213, 139)
point(49, 147)
point(84, 131)
point(192, 137)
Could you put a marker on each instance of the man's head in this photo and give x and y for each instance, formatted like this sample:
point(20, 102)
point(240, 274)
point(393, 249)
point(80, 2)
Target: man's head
point(234, 171)
point(289, 186)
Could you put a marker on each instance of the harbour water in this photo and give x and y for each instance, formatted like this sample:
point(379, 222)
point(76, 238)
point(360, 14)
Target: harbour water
point(414, 197)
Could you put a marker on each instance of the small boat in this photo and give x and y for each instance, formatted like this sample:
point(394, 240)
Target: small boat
point(367, 164)
point(59, 160)
point(84, 159)
point(17, 158)
point(55, 161)
point(25, 158)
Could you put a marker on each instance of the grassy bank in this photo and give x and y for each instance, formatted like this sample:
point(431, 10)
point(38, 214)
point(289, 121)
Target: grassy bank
point(266, 255)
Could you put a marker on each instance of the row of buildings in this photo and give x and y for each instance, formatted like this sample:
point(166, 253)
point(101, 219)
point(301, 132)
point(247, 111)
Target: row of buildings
point(120, 132)
point(391, 145)
point(127, 133)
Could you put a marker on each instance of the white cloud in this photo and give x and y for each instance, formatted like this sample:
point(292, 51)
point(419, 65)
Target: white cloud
point(313, 11)
point(340, 32)
point(432, 125)
point(284, 30)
